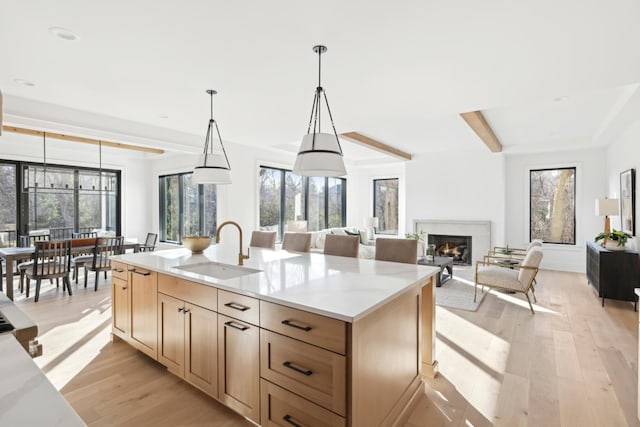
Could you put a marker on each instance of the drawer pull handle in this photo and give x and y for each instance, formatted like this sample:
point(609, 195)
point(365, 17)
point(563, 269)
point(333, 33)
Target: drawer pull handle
point(124, 288)
point(236, 326)
point(180, 309)
point(293, 325)
point(142, 273)
point(118, 270)
point(288, 418)
point(236, 306)
point(303, 371)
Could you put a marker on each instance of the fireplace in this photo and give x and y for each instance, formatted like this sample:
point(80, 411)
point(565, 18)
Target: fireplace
point(458, 247)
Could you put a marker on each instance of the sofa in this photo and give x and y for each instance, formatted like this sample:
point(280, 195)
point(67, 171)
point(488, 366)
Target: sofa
point(367, 250)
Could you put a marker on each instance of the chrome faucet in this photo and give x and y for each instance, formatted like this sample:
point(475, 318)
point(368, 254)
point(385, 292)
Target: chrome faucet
point(241, 256)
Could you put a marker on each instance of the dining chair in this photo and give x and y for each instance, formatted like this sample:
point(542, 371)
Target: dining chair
point(52, 261)
point(149, 243)
point(105, 248)
point(337, 245)
point(263, 239)
point(397, 250)
point(297, 226)
point(83, 239)
point(297, 242)
point(25, 241)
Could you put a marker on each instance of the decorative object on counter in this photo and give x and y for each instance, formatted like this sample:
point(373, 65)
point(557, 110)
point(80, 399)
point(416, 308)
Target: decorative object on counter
point(196, 244)
point(628, 201)
point(606, 207)
point(614, 240)
point(419, 236)
point(212, 169)
point(320, 153)
point(241, 256)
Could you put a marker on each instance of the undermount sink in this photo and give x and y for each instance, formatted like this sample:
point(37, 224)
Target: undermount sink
point(218, 270)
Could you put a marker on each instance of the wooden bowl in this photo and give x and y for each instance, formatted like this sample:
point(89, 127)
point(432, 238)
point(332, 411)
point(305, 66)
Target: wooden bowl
point(196, 244)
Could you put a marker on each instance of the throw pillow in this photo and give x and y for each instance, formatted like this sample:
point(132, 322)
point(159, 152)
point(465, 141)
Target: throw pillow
point(353, 232)
point(339, 231)
point(363, 237)
point(320, 241)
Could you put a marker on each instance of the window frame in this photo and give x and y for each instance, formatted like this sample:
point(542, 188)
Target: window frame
point(576, 175)
point(161, 207)
point(305, 186)
point(22, 197)
point(398, 204)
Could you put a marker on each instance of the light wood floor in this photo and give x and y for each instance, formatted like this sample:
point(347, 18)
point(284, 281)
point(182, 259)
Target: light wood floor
point(573, 363)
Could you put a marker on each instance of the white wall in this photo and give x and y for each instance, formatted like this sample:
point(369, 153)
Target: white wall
point(590, 185)
point(457, 186)
point(360, 192)
point(623, 154)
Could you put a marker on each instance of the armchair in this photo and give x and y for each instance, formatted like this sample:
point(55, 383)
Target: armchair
point(518, 278)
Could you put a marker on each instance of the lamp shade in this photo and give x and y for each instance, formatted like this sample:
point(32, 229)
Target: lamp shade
point(211, 175)
point(607, 207)
point(322, 157)
point(371, 221)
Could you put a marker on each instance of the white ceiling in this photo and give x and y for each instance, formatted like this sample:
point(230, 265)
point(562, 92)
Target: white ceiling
point(549, 74)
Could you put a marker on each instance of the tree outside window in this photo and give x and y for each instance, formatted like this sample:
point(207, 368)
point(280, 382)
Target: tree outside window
point(285, 196)
point(385, 205)
point(552, 205)
point(186, 209)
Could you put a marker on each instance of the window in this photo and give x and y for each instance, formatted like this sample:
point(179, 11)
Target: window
point(285, 196)
point(552, 205)
point(186, 208)
point(8, 205)
point(62, 199)
point(68, 199)
point(385, 205)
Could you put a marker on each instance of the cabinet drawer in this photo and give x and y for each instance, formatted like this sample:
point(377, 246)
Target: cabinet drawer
point(239, 306)
point(304, 326)
point(195, 293)
point(282, 408)
point(312, 372)
point(119, 270)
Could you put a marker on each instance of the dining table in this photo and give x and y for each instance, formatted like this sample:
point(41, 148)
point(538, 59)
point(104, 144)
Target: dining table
point(16, 254)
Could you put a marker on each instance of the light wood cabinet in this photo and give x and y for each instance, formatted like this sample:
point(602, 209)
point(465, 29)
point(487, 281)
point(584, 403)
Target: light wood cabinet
point(120, 302)
point(239, 366)
point(144, 311)
point(187, 342)
point(283, 408)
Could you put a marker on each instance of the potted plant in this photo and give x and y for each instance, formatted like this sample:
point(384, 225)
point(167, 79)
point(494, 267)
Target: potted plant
point(614, 240)
point(420, 238)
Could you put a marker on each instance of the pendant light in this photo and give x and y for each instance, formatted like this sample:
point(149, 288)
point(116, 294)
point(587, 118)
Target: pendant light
point(320, 153)
point(212, 169)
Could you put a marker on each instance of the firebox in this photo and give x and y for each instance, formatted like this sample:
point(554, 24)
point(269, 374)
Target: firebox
point(458, 247)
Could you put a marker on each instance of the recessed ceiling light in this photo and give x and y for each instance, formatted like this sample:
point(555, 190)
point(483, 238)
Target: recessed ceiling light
point(561, 98)
point(24, 82)
point(64, 33)
point(163, 116)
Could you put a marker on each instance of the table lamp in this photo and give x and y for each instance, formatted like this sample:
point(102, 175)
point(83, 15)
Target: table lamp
point(607, 207)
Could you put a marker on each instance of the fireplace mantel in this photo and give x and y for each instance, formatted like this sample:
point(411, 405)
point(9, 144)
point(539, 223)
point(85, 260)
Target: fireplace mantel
point(480, 232)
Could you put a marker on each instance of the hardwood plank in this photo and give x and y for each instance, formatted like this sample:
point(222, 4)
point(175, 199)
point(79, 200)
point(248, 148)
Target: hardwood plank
point(572, 363)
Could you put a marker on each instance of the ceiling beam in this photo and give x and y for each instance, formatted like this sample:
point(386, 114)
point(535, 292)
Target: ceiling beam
point(376, 145)
point(477, 122)
point(81, 139)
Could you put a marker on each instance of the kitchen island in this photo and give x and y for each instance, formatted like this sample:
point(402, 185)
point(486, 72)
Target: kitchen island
point(288, 339)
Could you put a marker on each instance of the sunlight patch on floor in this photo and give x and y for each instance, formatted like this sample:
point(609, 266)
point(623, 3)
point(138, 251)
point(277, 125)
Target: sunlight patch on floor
point(480, 355)
point(70, 347)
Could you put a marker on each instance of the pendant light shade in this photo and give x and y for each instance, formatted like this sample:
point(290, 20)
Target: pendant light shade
point(320, 153)
point(212, 169)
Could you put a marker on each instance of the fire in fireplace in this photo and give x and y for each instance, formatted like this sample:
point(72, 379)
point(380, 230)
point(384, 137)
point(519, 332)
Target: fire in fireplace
point(457, 247)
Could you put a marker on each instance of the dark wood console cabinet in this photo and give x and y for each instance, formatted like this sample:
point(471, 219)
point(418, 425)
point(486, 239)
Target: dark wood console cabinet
point(613, 274)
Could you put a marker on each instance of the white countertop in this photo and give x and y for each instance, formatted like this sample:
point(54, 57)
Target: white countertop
point(27, 398)
point(340, 287)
